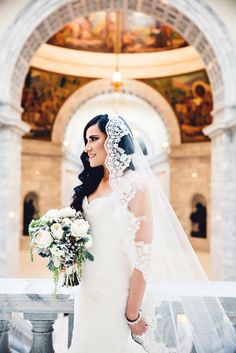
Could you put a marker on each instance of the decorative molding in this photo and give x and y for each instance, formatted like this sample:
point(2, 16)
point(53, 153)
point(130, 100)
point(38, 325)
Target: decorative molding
point(81, 63)
point(18, 126)
point(219, 124)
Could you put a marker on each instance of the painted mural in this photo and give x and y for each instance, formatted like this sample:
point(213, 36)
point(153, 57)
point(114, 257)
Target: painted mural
point(138, 33)
point(191, 99)
point(43, 95)
point(189, 95)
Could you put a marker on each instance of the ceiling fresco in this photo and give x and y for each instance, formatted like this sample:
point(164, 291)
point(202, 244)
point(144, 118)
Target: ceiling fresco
point(189, 95)
point(191, 99)
point(43, 95)
point(138, 33)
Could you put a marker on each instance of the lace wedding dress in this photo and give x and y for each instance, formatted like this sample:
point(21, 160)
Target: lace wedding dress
point(135, 227)
point(100, 302)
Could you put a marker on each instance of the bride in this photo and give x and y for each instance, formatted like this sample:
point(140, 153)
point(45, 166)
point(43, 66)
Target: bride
point(132, 297)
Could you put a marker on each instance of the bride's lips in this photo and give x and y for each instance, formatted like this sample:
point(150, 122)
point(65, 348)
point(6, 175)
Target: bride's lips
point(91, 156)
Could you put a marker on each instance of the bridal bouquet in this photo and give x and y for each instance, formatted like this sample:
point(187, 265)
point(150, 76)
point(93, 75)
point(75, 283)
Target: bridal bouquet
point(63, 236)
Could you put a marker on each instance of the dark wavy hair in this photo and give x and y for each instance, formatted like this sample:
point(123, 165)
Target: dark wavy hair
point(91, 177)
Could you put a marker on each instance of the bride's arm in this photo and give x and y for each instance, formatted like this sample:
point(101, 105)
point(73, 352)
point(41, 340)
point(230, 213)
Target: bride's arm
point(141, 207)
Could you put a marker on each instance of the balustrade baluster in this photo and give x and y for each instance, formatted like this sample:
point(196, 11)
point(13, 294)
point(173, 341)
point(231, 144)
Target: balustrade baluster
point(70, 328)
point(42, 328)
point(4, 332)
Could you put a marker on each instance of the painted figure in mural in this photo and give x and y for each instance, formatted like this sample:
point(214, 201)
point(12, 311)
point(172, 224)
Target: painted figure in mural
point(97, 31)
point(129, 299)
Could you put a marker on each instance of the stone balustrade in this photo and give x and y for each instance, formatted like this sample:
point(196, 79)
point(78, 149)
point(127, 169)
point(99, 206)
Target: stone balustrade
point(35, 302)
point(34, 299)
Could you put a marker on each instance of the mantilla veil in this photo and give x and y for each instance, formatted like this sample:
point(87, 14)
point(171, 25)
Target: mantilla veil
point(179, 311)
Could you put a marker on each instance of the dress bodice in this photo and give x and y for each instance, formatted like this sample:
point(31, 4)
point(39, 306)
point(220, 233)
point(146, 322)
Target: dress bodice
point(113, 250)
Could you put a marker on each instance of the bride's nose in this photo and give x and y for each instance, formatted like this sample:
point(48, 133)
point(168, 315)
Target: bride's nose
point(87, 147)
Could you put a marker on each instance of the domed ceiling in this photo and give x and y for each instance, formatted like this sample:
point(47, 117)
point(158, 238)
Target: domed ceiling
point(138, 33)
point(85, 49)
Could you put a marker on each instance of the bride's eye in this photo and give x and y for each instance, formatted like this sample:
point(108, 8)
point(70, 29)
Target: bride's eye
point(93, 138)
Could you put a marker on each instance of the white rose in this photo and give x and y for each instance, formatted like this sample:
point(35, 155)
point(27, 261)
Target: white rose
point(43, 239)
point(57, 252)
point(89, 242)
point(79, 228)
point(57, 231)
point(67, 221)
point(53, 213)
point(66, 212)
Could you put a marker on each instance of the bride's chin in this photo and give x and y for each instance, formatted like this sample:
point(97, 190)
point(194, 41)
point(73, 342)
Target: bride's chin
point(92, 165)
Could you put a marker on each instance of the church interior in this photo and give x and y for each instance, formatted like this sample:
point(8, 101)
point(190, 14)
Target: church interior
point(167, 67)
point(148, 73)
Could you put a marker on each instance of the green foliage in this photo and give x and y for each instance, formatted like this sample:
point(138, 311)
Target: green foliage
point(88, 255)
point(44, 254)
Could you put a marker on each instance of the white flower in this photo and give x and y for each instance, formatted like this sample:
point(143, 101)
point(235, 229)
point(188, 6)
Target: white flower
point(43, 239)
point(66, 212)
point(56, 261)
point(89, 242)
point(79, 228)
point(53, 213)
point(57, 252)
point(67, 221)
point(57, 231)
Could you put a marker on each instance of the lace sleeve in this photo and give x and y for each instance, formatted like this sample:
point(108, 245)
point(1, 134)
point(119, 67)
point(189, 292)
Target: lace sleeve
point(141, 208)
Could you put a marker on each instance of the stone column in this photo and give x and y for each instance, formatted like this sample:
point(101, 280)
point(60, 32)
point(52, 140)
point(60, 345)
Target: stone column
point(11, 130)
point(42, 328)
point(223, 199)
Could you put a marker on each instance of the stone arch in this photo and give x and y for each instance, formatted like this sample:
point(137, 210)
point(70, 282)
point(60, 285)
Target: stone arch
point(40, 19)
point(133, 87)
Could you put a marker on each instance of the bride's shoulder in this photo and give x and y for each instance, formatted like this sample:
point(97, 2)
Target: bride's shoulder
point(133, 180)
point(133, 175)
point(130, 186)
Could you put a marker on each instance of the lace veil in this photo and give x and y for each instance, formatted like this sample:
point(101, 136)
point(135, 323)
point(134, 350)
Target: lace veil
point(183, 316)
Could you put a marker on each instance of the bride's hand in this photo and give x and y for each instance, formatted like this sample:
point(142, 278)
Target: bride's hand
point(139, 328)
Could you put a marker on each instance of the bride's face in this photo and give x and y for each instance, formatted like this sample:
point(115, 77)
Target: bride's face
point(95, 149)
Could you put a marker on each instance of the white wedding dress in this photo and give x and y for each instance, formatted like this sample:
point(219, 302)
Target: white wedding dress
point(100, 299)
point(135, 227)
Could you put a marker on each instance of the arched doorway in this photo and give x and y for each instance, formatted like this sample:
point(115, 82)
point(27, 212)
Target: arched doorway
point(144, 121)
point(191, 19)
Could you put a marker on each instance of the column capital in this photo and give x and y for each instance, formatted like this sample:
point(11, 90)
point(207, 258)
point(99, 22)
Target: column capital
point(10, 117)
point(218, 127)
point(18, 126)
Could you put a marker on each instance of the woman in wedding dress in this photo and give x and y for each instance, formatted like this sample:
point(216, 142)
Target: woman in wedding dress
point(121, 304)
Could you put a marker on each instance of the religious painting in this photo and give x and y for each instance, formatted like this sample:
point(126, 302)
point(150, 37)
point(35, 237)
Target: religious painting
point(110, 32)
point(191, 99)
point(43, 95)
point(189, 95)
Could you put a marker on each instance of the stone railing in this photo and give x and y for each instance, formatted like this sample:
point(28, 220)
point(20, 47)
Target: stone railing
point(33, 299)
